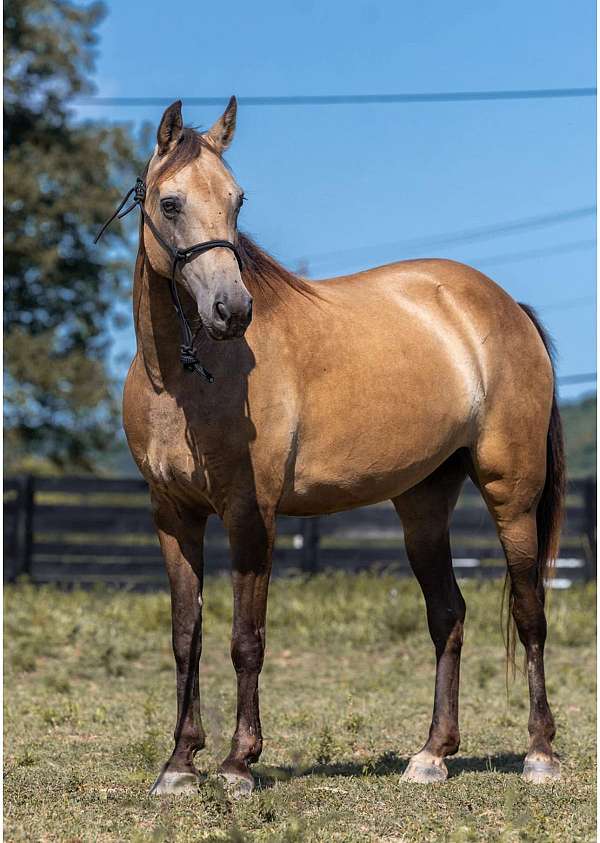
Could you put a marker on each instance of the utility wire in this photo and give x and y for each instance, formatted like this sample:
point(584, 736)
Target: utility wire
point(466, 236)
point(351, 99)
point(515, 257)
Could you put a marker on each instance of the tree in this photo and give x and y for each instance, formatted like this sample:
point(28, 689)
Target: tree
point(60, 182)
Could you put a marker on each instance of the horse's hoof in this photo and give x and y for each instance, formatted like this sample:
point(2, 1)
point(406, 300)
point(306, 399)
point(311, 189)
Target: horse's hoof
point(539, 768)
point(172, 782)
point(425, 772)
point(237, 786)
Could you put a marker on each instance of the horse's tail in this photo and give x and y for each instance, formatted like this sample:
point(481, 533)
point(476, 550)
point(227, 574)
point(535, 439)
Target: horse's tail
point(551, 503)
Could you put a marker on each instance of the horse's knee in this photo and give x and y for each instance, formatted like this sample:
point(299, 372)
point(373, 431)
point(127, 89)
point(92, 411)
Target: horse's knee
point(247, 649)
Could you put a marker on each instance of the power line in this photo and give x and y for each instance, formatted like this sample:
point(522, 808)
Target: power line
point(514, 257)
point(351, 99)
point(464, 236)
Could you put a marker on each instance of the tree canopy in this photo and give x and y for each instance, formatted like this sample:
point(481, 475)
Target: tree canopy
point(62, 178)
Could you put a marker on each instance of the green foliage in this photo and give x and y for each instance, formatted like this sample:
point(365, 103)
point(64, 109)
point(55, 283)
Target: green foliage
point(579, 420)
point(60, 183)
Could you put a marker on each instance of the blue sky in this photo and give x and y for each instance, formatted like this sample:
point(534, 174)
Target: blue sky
point(347, 187)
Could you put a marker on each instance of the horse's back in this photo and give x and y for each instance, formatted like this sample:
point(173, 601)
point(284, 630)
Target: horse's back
point(452, 311)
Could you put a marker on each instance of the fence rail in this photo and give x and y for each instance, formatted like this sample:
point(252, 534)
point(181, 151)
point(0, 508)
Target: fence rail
point(84, 530)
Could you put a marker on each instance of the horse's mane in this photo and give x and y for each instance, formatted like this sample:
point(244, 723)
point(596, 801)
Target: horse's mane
point(265, 276)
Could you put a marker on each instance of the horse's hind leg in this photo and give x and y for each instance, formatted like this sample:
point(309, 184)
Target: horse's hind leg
point(512, 480)
point(181, 538)
point(425, 512)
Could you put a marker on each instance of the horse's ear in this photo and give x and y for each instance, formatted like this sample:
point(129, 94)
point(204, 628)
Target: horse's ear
point(221, 134)
point(170, 129)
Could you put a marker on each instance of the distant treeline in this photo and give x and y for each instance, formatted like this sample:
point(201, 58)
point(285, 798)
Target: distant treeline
point(579, 419)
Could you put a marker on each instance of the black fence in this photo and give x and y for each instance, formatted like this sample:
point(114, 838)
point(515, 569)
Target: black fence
point(85, 530)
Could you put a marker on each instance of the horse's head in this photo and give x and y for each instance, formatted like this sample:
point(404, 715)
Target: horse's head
point(191, 198)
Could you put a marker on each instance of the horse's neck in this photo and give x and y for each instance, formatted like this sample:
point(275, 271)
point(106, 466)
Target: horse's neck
point(156, 325)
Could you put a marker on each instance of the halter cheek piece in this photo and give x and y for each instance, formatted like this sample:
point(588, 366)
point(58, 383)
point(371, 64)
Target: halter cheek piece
point(179, 257)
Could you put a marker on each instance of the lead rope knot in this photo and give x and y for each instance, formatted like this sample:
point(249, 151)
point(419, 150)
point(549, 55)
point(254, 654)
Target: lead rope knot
point(190, 362)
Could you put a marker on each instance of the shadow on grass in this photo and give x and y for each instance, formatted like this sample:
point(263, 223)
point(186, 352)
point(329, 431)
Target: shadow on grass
point(505, 762)
point(385, 765)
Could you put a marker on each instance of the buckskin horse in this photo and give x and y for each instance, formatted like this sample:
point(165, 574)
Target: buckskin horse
point(395, 383)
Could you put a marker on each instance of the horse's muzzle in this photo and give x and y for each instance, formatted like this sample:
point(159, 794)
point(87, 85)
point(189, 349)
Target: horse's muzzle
point(228, 323)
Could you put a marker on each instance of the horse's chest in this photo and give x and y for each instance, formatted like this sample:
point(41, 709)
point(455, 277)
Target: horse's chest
point(163, 452)
point(165, 463)
point(178, 454)
point(156, 434)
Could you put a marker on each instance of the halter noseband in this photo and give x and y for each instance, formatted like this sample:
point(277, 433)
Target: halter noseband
point(188, 358)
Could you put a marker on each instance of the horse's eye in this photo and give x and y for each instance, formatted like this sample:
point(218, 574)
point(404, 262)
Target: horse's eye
point(170, 206)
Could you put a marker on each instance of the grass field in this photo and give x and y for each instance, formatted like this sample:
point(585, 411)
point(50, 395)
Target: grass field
point(346, 698)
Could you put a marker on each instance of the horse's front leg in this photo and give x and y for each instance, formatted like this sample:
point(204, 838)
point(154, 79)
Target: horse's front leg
point(251, 536)
point(181, 538)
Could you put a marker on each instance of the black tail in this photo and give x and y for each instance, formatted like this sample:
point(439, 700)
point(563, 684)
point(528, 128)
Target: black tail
point(551, 503)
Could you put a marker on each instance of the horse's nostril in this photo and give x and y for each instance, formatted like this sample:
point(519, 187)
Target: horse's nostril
point(222, 311)
point(249, 312)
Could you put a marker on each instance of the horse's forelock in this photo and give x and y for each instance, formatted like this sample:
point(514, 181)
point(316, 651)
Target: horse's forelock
point(187, 149)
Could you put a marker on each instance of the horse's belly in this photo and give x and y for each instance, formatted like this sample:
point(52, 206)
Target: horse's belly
point(324, 496)
point(370, 462)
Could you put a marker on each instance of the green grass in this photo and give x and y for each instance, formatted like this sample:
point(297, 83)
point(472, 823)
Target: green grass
point(346, 697)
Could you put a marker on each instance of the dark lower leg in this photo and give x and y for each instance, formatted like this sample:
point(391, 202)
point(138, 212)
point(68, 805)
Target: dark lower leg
point(251, 548)
point(528, 612)
point(519, 540)
point(425, 513)
point(447, 634)
point(185, 576)
point(247, 653)
point(445, 616)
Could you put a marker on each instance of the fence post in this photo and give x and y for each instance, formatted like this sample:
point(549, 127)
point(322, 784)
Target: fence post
point(11, 530)
point(26, 526)
point(310, 545)
point(589, 505)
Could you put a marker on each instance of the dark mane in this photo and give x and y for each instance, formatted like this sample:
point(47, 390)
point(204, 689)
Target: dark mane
point(264, 275)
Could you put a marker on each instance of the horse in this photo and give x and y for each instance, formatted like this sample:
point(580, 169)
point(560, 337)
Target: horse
point(393, 383)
